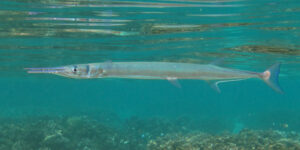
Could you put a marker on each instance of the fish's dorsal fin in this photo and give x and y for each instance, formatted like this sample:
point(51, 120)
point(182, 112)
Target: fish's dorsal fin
point(174, 81)
point(218, 62)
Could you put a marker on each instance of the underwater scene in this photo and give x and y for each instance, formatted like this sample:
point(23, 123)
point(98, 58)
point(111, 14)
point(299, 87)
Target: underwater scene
point(149, 75)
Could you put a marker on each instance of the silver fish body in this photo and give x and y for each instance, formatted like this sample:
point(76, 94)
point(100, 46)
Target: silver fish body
point(162, 70)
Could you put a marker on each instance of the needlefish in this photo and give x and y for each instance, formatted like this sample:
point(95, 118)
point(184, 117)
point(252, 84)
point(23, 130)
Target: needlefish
point(213, 73)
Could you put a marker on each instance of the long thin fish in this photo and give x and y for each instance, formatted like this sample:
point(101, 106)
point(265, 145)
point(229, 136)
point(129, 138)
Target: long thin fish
point(212, 73)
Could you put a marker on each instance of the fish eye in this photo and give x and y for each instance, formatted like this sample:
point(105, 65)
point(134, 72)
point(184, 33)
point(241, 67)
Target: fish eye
point(74, 69)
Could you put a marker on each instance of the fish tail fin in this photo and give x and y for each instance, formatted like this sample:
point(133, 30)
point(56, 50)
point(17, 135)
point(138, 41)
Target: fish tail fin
point(270, 76)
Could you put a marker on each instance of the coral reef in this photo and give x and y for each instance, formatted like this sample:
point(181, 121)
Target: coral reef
point(88, 133)
point(58, 134)
point(245, 140)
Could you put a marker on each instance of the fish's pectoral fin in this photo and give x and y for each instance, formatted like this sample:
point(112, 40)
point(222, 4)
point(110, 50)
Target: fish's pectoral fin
point(108, 64)
point(174, 81)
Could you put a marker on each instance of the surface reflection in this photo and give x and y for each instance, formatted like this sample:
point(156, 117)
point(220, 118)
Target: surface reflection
point(81, 31)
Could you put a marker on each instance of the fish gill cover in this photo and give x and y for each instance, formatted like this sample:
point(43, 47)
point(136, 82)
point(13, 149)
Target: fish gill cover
point(45, 112)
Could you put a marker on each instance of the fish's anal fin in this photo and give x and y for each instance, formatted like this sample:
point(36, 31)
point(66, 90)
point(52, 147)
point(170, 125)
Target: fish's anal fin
point(174, 81)
point(215, 84)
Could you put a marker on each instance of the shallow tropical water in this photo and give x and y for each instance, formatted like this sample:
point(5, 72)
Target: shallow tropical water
point(40, 111)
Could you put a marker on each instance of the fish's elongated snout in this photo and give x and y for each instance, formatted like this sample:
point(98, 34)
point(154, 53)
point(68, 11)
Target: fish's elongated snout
point(45, 70)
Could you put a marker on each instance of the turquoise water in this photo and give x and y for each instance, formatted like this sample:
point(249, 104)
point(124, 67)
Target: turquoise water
point(249, 35)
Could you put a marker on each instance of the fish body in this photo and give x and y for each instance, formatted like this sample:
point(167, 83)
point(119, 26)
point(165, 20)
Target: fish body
point(162, 70)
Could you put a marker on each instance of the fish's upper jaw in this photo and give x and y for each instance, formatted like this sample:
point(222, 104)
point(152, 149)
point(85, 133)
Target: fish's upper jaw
point(53, 70)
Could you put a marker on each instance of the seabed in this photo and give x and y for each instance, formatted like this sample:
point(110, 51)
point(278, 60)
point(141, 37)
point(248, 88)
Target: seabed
point(110, 133)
